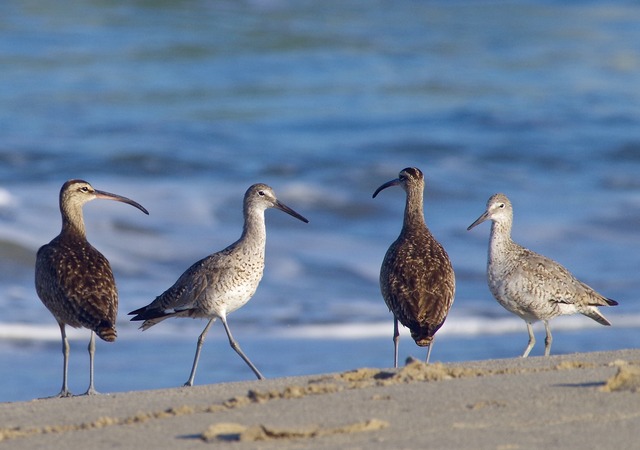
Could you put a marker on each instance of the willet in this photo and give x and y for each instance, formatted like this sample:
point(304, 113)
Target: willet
point(530, 285)
point(416, 278)
point(222, 282)
point(74, 280)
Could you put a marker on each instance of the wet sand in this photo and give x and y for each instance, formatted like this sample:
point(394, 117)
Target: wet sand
point(576, 401)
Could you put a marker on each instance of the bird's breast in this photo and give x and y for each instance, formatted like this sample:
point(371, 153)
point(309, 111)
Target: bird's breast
point(236, 287)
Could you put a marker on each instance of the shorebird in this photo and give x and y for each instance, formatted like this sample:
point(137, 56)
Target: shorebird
point(530, 285)
point(74, 280)
point(416, 277)
point(222, 282)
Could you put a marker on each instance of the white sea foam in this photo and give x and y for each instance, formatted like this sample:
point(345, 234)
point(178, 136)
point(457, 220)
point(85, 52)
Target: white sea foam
point(453, 327)
point(6, 199)
point(37, 333)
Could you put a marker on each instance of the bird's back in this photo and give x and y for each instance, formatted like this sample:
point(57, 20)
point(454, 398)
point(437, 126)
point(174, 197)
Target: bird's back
point(75, 282)
point(538, 288)
point(418, 284)
point(218, 284)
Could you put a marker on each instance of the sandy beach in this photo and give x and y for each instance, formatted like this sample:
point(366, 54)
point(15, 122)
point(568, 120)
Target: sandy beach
point(576, 401)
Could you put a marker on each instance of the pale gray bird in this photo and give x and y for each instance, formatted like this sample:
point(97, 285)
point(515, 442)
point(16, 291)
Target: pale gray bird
point(74, 280)
point(416, 278)
point(530, 285)
point(222, 282)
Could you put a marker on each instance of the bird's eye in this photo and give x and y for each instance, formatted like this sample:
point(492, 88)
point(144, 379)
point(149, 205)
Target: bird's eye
point(501, 205)
point(261, 193)
point(84, 189)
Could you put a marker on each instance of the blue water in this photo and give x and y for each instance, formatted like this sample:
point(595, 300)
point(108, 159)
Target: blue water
point(182, 105)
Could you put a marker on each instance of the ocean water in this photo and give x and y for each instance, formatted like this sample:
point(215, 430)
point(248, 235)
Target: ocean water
point(182, 105)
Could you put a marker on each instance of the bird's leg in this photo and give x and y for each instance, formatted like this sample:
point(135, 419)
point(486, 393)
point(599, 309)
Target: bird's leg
point(201, 338)
point(92, 351)
point(64, 392)
point(548, 339)
point(532, 341)
point(236, 347)
point(429, 352)
point(396, 341)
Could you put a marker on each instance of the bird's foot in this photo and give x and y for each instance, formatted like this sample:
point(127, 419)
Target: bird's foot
point(65, 393)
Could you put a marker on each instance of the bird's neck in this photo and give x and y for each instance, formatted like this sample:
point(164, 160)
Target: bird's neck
point(413, 210)
point(500, 242)
point(254, 231)
point(73, 221)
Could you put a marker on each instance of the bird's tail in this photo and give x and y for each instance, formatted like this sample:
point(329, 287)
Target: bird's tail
point(150, 316)
point(593, 313)
point(422, 341)
point(151, 322)
point(423, 336)
point(106, 331)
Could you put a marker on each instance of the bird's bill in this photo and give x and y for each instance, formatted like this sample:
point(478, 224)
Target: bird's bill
point(386, 185)
point(120, 198)
point(479, 220)
point(291, 212)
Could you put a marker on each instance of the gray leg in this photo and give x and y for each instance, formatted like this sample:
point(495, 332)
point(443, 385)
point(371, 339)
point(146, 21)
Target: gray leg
point(532, 341)
point(236, 347)
point(92, 351)
point(396, 341)
point(198, 348)
point(429, 351)
point(548, 339)
point(64, 392)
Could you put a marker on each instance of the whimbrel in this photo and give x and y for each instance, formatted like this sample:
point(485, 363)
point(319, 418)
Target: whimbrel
point(530, 285)
point(74, 280)
point(222, 282)
point(416, 278)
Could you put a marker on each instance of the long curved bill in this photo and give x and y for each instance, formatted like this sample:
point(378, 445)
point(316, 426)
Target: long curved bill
point(282, 207)
point(479, 220)
point(386, 185)
point(120, 198)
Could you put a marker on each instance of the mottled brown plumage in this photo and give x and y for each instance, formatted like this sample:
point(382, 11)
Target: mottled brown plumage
point(74, 280)
point(416, 278)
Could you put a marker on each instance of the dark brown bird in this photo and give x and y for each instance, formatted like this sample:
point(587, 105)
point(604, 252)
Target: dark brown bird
point(74, 280)
point(416, 277)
